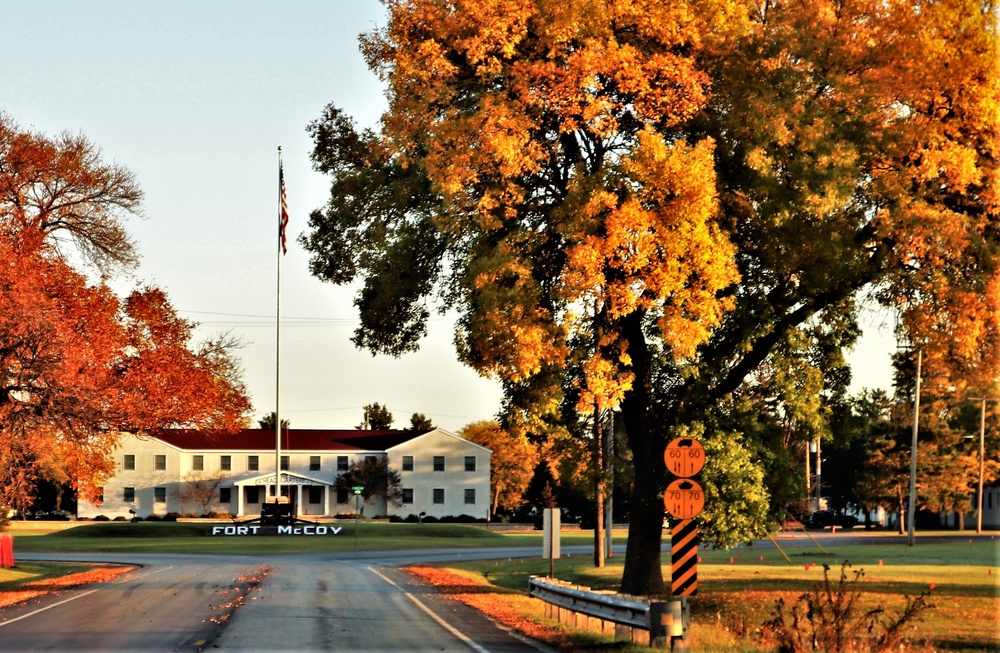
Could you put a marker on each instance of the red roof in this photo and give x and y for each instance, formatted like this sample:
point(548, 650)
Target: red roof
point(291, 439)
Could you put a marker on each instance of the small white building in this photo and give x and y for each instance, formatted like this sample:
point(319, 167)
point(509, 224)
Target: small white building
point(442, 474)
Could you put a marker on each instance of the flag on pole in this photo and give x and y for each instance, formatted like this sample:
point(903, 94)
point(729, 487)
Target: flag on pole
point(283, 212)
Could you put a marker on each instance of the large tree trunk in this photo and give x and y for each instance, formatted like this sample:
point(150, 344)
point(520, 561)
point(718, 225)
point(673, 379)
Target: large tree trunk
point(643, 574)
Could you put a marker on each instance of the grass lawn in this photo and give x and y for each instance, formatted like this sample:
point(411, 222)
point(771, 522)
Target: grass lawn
point(32, 572)
point(190, 537)
point(735, 598)
point(29, 580)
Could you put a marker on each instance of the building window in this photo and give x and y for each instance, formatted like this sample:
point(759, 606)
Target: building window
point(226, 463)
point(341, 495)
point(129, 495)
point(284, 463)
point(253, 493)
point(160, 462)
point(341, 463)
point(225, 495)
point(470, 495)
point(315, 494)
point(407, 463)
point(438, 463)
point(128, 463)
point(198, 463)
point(253, 463)
point(470, 463)
point(407, 495)
point(160, 494)
point(314, 463)
point(439, 495)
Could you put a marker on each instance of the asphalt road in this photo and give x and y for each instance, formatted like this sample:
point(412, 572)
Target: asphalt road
point(288, 602)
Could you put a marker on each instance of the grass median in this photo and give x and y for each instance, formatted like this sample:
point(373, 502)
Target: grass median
point(197, 537)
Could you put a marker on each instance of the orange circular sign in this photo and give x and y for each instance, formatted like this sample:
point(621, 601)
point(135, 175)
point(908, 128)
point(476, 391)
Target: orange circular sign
point(684, 457)
point(683, 499)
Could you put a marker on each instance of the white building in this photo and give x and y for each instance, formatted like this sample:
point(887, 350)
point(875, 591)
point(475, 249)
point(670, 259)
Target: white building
point(443, 475)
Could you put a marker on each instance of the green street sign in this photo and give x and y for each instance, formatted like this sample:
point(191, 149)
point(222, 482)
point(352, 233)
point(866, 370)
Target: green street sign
point(357, 489)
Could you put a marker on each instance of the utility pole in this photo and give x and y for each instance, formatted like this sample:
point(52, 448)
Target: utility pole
point(911, 509)
point(982, 459)
point(819, 474)
point(609, 440)
point(598, 487)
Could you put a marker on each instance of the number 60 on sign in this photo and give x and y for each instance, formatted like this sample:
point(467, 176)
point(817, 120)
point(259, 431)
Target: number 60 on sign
point(684, 457)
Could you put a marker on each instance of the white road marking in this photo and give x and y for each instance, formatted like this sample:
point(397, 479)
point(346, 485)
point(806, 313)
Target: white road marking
point(75, 597)
point(473, 645)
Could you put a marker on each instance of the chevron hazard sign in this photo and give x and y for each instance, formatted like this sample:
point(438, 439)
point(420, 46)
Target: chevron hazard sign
point(684, 558)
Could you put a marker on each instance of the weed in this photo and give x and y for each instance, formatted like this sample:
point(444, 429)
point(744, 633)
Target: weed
point(831, 618)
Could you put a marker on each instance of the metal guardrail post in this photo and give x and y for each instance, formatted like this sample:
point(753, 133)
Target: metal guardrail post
point(664, 620)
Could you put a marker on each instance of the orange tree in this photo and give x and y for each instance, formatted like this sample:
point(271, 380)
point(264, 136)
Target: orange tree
point(78, 365)
point(512, 462)
point(636, 204)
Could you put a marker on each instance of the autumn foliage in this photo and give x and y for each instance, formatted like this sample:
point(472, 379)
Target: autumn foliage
point(660, 206)
point(78, 365)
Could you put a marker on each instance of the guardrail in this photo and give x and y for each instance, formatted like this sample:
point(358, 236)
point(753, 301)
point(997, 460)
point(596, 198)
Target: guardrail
point(651, 624)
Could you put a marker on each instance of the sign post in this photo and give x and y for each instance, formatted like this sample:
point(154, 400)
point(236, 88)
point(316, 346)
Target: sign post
point(357, 489)
point(551, 524)
point(684, 499)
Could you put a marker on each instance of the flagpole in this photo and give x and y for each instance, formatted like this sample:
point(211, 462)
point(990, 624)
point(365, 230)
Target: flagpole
point(277, 346)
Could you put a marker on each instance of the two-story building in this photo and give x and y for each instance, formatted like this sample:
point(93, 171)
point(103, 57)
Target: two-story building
point(442, 474)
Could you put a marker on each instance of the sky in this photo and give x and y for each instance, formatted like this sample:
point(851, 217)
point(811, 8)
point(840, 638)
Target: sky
point(195, 98)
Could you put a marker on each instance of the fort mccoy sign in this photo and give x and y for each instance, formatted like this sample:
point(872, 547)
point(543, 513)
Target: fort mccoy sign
point(258, 529)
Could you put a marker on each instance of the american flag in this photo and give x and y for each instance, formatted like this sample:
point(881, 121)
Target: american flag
point(283, 212)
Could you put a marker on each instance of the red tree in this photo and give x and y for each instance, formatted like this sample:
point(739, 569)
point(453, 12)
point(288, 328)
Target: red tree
point(79, 366)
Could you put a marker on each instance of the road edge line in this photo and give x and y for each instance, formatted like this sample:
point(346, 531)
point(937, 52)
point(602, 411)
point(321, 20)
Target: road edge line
point(447, 626)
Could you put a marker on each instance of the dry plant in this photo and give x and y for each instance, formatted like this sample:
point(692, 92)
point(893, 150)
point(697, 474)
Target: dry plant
point(830, 618)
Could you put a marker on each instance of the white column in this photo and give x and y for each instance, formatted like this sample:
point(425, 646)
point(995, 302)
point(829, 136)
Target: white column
point(326, 499)
point(298, 500)
point(239, 500)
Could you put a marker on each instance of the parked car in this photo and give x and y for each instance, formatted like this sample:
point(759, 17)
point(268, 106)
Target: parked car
point(825, 519)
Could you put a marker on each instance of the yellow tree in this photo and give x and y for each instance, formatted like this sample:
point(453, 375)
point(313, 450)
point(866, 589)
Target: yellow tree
point(531, 168)
point(636, 203)
point(857, 150)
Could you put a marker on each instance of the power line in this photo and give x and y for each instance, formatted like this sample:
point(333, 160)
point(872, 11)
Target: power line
point(291, 321)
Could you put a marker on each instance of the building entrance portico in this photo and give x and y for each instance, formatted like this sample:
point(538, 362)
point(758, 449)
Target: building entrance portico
point(252, 492)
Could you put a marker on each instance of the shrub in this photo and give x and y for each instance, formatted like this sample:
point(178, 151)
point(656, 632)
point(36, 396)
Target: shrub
point(465, 519)
point(120, 518)
point(171, 516)
point(828, 618)
point(101, 518)
point(154, 518)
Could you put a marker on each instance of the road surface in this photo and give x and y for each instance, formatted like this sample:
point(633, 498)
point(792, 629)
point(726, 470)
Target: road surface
point(287, 602)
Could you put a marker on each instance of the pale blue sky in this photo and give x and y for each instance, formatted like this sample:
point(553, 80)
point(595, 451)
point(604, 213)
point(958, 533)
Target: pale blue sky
point(195, 97)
